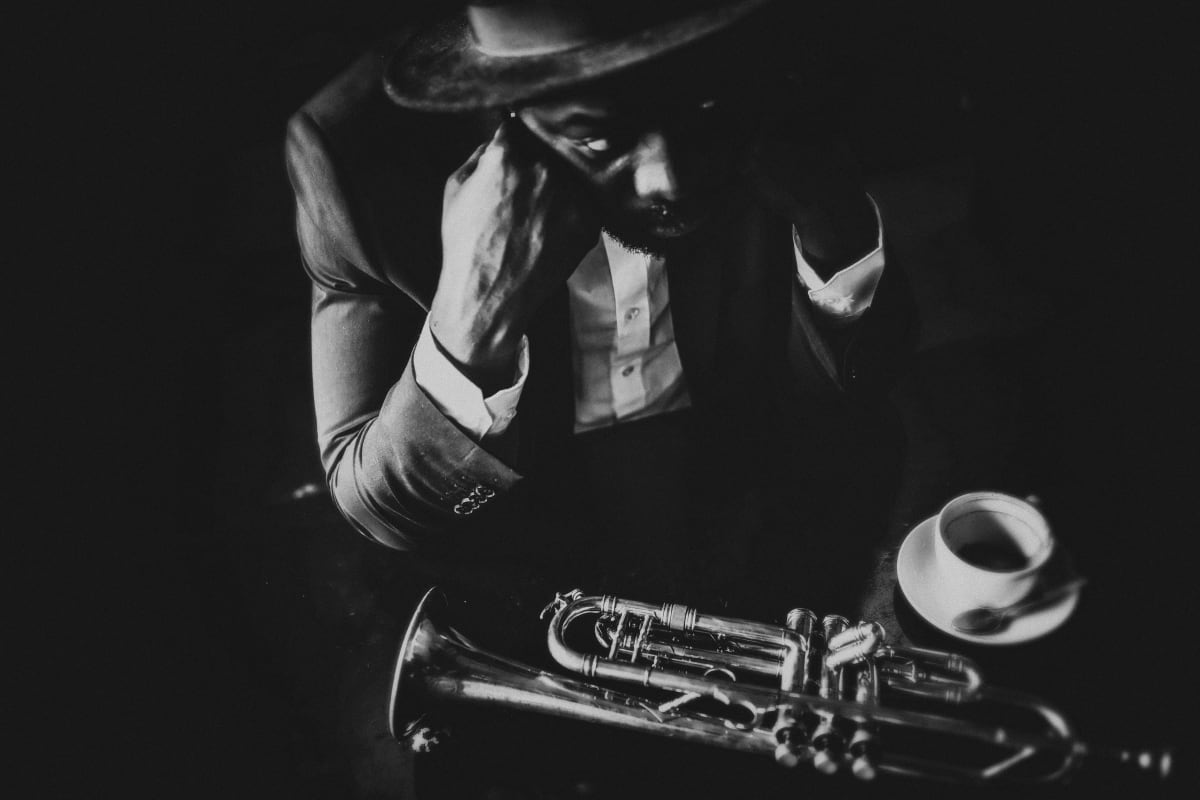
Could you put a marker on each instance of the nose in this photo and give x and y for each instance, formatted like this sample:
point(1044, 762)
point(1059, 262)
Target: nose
point(654, 174)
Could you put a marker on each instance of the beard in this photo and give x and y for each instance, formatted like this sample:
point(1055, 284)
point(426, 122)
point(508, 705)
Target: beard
point(643, 243)
point(657, 229)
point(647, 235)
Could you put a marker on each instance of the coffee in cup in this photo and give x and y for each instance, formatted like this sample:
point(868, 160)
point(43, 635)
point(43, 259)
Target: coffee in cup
point(989, 548)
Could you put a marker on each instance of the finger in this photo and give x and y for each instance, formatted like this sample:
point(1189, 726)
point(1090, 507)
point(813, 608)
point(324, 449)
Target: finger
point(526, 148)
point(502, 146)
point(461, 175)
point(515, 139)
point(468, 168)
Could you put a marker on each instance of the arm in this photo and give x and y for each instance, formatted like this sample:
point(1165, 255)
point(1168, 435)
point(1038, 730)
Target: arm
point(397, 467)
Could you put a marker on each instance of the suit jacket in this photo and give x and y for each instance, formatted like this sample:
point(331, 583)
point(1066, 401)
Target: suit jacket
point(368, 178)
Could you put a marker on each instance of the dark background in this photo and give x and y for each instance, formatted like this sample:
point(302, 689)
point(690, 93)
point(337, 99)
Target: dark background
point(177, 217)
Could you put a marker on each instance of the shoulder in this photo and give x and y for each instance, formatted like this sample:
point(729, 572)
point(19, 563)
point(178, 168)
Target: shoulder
point(369, 174)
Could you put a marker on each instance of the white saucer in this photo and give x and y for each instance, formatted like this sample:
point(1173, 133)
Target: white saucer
point(918, 581)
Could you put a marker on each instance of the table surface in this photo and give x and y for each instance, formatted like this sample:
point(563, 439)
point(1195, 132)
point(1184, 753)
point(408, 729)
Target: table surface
point(316, 611)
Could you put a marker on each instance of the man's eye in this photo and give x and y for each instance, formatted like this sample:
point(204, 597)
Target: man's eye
point(594, 145)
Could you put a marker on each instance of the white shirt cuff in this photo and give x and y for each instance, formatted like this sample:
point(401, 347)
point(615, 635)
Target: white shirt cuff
point(461, 400)
point(848, 294)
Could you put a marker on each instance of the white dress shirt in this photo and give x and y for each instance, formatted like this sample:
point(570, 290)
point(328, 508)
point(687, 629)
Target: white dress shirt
point(626, 365)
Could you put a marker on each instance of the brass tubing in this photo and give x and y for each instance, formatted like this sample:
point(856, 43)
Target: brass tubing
point(761, 649)
point(434, 657)
point(444, 666)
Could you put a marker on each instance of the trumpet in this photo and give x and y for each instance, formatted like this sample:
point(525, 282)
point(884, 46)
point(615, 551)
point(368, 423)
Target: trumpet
point(826, 693)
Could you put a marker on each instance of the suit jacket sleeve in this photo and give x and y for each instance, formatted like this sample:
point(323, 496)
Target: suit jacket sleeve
point(398, 469)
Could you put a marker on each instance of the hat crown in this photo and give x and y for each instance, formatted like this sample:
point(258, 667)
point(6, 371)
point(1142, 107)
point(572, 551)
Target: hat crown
point(516, 28)
point(495, 53)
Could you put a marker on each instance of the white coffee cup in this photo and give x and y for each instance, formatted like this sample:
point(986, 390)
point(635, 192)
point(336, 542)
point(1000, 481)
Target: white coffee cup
point(988, 548)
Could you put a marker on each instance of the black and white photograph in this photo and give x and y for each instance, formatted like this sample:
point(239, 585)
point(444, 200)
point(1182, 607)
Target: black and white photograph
point(549, 399)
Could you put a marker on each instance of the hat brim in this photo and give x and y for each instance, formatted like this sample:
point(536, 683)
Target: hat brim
point(439, 68)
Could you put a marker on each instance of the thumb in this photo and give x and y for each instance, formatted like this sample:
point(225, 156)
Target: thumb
point(461, 175)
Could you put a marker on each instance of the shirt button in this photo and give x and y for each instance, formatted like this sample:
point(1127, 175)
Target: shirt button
point(627, 371)
point(632, 314)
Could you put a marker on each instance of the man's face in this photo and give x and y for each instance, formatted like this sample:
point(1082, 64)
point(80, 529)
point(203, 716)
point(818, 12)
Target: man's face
point(661, 151)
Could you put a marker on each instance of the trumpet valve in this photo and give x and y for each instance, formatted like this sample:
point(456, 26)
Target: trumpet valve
point(863, 768)
point(786, 755)
point(864, 754)
point(827, 760)
point(792, 739)
point(789, 755)
point(805, 675)
point(801, 620)
point(828, 748)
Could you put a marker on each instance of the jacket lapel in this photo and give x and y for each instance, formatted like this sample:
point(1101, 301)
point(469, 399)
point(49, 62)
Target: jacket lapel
point(694, 278)
point(549, 390)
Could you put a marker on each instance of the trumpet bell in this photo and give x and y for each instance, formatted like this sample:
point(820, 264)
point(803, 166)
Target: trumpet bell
point(406, 704)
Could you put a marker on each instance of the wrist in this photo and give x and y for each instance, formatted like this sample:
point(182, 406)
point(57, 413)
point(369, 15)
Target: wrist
point(489, 368)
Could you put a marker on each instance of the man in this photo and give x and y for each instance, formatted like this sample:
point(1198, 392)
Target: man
point(648, 315)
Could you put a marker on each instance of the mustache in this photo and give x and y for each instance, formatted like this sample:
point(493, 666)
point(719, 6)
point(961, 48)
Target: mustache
point(666, 213)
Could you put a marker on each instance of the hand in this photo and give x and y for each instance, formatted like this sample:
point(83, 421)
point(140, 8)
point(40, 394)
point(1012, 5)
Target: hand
point(514, 228)
point(816, 185)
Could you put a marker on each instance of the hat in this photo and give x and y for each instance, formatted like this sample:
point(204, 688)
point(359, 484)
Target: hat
point(503, 52)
